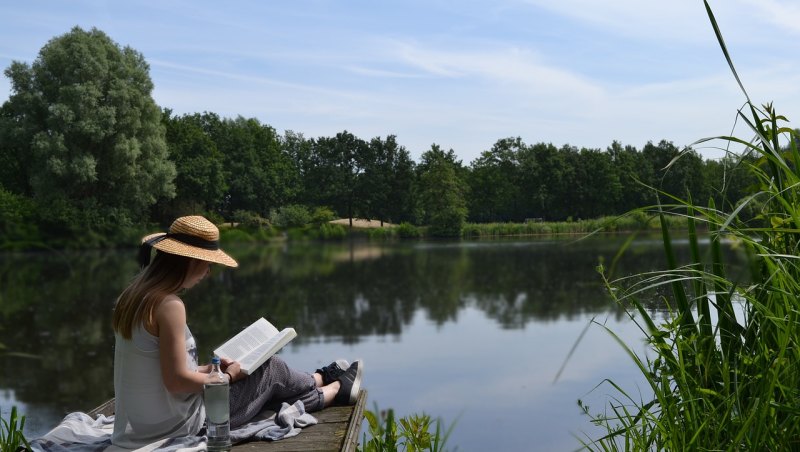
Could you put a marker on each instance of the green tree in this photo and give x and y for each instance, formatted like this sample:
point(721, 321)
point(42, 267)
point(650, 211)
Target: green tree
point(85, 133)
point(544, 174)
point(632, 171)
point(494, 182)
point(336, 170)
point(598, 184)
point(442, 192)
point(387, 181)
point(200, 182)
point(677, 177)
point(259, 174)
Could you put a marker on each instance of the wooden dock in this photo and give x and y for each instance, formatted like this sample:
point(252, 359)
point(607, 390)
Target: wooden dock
point(338, 429)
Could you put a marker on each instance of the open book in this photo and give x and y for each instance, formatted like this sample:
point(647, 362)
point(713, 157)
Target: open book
point(255, 344)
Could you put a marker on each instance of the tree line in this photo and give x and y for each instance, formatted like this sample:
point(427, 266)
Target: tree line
point(85, 152)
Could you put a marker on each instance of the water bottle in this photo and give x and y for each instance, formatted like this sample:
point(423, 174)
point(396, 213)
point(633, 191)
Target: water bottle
point(215, 397)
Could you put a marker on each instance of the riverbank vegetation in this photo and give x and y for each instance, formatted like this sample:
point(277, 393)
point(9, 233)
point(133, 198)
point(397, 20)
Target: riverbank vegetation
point(11, 436)
point(87, 159)
point(723, 368)
point(413, 433)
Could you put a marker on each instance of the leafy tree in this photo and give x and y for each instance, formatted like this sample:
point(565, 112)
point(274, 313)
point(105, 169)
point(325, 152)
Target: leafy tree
point(387, 180)
point(259, 175)
point(632, 171)
point(544, 184)
point(336, 170)
point(299, 152)
point(495, 189)
point(672, 180)
point(598, 184)
point(85, 134)
point(200, 182)
point(442, 192)
point(401, 201)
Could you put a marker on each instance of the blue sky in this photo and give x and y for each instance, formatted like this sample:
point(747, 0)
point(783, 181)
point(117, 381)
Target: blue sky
point(461, 74)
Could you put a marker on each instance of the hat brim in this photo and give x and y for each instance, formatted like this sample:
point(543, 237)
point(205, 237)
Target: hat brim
point(172, 246)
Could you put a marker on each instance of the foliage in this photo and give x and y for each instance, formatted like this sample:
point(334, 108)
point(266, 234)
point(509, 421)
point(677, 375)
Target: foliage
point(85, 134)
point(291, 216)
point(11, 436)
point(407, 230)
point(235, 235)
point(322, 215)
point(639, 220)
point(250, 220)
point(86, 152)
point(330, 231)
point(334, 173)
point(411, 433)
point(17, 221)
point(718, 380)
point(200, 182)
point(385, 233)
point(387, 180)
point(442, 193)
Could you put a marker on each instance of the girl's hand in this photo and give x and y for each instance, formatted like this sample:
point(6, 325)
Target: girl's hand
point(232, 368)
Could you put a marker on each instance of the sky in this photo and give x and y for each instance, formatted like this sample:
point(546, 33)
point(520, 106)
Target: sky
point(460, 74)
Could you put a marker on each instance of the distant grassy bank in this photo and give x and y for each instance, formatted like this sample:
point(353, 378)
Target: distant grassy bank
point(258, 232)
point(340, 229)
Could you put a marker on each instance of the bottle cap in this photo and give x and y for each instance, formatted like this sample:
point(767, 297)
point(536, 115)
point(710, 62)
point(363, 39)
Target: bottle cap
point(215, 360)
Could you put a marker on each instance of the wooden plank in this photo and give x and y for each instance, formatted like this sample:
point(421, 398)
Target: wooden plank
point(354, 423)
point(337, 429)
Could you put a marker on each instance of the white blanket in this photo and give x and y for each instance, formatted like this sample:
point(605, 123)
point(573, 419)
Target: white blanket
point(80, 433)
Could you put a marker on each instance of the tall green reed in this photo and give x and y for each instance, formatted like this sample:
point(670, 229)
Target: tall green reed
point(11, 437)
point(410, 434)
point(717, 380)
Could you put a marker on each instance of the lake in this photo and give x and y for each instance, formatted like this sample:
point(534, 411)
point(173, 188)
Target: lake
point(472, 332)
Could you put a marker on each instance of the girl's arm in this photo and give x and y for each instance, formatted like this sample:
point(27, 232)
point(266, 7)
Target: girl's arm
point(170, 318)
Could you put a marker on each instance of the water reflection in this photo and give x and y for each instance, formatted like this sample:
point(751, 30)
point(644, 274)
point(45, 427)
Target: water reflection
point(57, 306)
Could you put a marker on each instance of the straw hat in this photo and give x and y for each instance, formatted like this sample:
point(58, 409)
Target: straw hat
point(191, 236)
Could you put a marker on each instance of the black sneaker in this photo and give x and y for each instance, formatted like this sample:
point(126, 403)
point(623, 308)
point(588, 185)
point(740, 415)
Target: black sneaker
point(333, 371)
point(351, 384)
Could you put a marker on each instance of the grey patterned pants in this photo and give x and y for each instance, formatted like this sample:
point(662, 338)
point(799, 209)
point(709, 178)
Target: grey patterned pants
point(273, 382)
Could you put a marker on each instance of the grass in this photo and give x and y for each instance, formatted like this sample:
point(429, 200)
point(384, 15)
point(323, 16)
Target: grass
point(11, 437)
point(717, 380)
point(411, 433)
point(633, 221)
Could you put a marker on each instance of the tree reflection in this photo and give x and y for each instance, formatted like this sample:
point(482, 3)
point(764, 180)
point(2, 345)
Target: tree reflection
point(57, 306)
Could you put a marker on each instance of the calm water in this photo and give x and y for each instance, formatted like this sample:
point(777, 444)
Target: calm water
point(472, 332)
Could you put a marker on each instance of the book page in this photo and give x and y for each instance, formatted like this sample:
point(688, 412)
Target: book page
point(247, 340)
point(265, 350)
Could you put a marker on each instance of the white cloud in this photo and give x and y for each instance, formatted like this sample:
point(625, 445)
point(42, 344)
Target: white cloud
point(784, 14)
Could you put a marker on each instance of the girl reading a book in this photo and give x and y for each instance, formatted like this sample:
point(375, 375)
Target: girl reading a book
point(158, 383)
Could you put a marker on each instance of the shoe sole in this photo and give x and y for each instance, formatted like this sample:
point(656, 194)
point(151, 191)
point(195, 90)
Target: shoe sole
point(342, 363)
point(356, 383)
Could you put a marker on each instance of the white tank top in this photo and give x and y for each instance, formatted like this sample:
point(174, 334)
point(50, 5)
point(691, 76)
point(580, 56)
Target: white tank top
point(144, 410)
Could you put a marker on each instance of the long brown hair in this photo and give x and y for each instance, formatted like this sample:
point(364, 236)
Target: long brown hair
point(162, 277)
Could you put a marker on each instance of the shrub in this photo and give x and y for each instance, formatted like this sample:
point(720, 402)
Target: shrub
point(17, 221)
point(408, 231)
point(235, 235)
point(214, 217)
point(322, 215)
point(291, 216)
point(250, 220)
point(381, 233)
point(328, 231)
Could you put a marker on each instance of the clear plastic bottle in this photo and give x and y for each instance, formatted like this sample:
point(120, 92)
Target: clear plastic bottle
point(216, 398)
